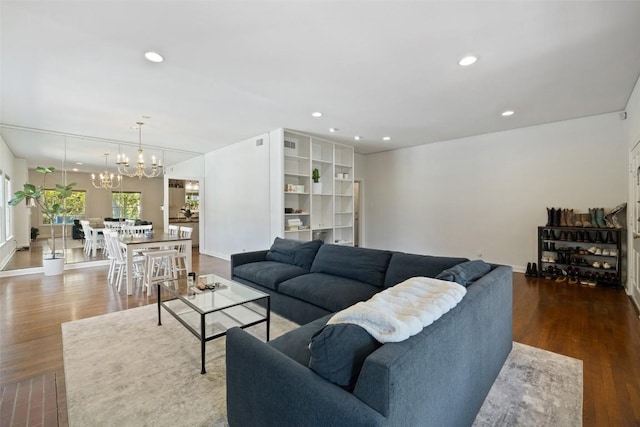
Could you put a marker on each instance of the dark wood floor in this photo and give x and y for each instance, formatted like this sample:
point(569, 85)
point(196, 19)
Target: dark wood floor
point(599, 326)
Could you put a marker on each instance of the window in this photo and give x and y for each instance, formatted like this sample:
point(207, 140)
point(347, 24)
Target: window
point(126, 205)
point(4, 211)
point(75, 204)
point(7, 232)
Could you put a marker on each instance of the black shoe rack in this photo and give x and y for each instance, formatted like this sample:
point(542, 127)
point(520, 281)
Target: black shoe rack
point(583, 255)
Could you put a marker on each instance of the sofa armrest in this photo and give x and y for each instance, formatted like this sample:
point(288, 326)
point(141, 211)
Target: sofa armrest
point(246, 258)
point(267, 388)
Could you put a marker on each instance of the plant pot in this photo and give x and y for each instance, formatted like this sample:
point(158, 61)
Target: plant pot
point(53, 266)
point(316, 188)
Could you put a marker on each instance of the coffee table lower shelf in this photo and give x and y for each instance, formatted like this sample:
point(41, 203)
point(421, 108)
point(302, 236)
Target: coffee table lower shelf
point(208, 319)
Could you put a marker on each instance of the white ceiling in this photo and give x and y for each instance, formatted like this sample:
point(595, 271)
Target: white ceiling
point(235, 69)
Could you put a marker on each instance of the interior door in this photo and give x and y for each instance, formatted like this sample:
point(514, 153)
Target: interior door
point(634, 225)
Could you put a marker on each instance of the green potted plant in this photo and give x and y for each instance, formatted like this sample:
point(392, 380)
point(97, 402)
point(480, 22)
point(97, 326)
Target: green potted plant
point(316, 187)
point(51, 208)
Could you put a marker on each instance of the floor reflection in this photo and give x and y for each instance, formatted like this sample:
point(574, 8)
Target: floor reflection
point(32, 257)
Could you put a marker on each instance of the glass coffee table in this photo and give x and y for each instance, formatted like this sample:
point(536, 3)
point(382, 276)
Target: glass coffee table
point(208, 314)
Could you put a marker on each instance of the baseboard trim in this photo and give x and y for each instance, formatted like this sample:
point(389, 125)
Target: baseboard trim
point(40, 270)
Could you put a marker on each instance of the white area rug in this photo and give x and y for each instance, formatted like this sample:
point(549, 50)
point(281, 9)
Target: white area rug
point(122, 369)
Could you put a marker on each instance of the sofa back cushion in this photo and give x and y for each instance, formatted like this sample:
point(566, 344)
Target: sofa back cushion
point(403, 266)
point(337, 353)
point(294, 252)
point(465, 273)
point(365, 265)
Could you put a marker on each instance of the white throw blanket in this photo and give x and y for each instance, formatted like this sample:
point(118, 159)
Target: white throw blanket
point(403, 310)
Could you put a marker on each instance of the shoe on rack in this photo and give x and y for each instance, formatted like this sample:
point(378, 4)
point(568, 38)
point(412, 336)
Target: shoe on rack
point(563, 235)
point(587, 237)
point(577, 220)
point(606, 252)
point(592, 250)
point(586, 220)
point(552, 246)
point(613, 252)
point(545, 246)
point(563, 218)
point(598, 251)
point(552, 235)
point(606, 265)
point(570, 236)
point(556, 217)
point(579, 236)
point(599, 237)
point(595, 264)
point(545, 234)
point(612, 217)
point(561, 279)
point(609, 238)
point(592, 216)
point(550, 213)
point(600, 217)
point(570, 218)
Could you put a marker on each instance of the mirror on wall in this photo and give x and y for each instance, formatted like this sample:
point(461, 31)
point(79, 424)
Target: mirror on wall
point(82, 161)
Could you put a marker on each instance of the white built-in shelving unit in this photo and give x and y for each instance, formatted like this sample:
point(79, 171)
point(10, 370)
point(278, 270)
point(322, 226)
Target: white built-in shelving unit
point(327, 214)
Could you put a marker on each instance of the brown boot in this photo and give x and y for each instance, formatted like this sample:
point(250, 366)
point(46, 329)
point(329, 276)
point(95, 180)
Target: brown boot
point(586, 220)
point(563, 218)
point(570, 221)
point(577, 219)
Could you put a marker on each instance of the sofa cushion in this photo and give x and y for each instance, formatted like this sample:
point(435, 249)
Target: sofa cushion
point(337, 353)
point(268, 273)
point(295, 252)
point(330, 292)
point(403, 266)
point(295, 343)
point(365, 265)
point(465, 273)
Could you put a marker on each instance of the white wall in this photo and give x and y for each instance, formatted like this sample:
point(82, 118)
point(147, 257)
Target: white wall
point(236, 198)
point(487, 194)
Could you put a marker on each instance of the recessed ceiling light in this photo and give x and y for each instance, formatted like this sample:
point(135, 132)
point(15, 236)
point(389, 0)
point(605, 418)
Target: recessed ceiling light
point(79, 163)
point(467, 60)
point(357, 138)
point(153, 57)
point(317, 114)
point(333, 129)
point(75, 169)
point(386, 138)
point(508, 113)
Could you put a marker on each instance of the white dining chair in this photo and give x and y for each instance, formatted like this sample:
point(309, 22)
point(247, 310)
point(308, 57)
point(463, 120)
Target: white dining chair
point(120, 261)
point(160, 266)
point(181, 259)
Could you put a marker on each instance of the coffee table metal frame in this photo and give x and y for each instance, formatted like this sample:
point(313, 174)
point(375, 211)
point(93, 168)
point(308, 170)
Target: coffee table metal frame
point(201, 332)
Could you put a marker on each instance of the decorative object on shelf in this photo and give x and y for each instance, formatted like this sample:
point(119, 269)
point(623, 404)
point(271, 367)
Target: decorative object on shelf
point(317, 185)
point(611, 219)
point(106, 178)
point(140, 168)
point(51, 208)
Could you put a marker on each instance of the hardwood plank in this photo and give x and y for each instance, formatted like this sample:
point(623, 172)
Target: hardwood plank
point(597, 325)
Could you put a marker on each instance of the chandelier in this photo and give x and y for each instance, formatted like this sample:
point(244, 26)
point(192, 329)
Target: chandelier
point(105, 179)
point(139, 170)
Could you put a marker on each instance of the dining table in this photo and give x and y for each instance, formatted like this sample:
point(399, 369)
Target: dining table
point(134, 243)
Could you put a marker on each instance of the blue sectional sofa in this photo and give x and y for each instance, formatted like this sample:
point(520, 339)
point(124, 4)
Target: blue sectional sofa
point(438, 377)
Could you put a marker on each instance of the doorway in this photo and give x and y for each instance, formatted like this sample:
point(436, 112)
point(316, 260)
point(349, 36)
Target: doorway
point(633, 282)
